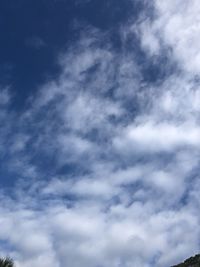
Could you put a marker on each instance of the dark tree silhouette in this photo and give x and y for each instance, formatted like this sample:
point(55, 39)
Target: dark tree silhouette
point(191, 262)
point(6, 262)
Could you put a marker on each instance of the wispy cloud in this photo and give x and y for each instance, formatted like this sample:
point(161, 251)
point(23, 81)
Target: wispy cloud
point(106, 163)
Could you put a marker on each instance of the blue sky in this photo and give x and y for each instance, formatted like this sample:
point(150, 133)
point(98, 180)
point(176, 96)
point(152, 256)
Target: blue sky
point(100, 136)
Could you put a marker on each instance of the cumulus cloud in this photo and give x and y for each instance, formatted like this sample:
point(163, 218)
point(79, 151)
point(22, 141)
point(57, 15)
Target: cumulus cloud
point(152, 138)
point(176, 26)
point(105, 162)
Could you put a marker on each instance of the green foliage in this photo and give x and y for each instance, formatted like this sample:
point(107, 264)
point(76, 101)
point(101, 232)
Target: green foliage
point(191, 262)
point(6, 262)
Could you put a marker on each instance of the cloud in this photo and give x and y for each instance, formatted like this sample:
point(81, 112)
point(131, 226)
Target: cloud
point(4, 96)
point(105, 162)
point(153, 138)
point(176, 26)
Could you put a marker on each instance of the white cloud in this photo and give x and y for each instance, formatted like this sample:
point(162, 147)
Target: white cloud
point(176, 25)
point(149, 38)
point(114, 159)
point(151, 137)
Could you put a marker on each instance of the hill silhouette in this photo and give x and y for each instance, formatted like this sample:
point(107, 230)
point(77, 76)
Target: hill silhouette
point(190, 262)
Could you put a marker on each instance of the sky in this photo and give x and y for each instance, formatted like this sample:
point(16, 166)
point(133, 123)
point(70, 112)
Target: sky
point(99, 132)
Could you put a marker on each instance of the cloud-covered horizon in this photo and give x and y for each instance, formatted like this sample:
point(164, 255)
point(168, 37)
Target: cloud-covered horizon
point(105, 161)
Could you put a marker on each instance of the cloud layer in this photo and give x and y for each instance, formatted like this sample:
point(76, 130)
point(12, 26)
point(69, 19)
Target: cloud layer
point(105, 161)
